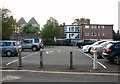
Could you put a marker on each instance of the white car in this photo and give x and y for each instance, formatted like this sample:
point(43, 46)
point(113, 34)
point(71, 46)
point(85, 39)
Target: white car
point(100, 48)
point(87, 48)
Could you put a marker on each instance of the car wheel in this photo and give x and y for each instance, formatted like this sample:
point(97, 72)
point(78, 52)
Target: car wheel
point(89, 50)
point(9, 53)
point(116, 59)
point(80, 46)
point(34, 48)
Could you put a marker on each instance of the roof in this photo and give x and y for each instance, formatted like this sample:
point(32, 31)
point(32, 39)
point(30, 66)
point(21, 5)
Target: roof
point(33, 21)
point(22, 21)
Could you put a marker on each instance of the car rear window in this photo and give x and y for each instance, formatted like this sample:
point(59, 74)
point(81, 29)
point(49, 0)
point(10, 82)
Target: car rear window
point(36, 40)
point(7, 43)
point(118, 45)
point(109, 45)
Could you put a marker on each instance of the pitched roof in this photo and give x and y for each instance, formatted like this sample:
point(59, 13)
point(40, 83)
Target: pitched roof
point(22, 21)
point(33, 21)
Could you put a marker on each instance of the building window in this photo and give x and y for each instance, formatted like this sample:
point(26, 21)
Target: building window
point(72, 35)
point(65, 35)
point(93, 34)
point(102, 27)
point(102, 34)
point(72, 29)
point(86, 26)
point(93, 27)
point(77, 29)
point(69, 35)
point(65, 29)
point(69, 29)
point(98, 34)
point(86, 34)
point(98, 27)
point(77, 36)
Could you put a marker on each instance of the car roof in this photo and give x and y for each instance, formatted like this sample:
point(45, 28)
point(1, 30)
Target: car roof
point(8, 41)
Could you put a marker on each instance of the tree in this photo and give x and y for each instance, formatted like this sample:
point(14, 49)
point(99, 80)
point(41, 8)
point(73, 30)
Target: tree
point(81, 21)
point(9, 24)
point(29, 29)
point(51, 29)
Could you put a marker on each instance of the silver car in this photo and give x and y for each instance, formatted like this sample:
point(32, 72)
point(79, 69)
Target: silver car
point(100, 48)
point(10, 48)
point(34, 44)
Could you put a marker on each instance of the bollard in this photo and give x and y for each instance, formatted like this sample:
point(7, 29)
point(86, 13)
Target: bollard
point(95, 59)
point(20, 58)
point(41, 60)
point(71, 60)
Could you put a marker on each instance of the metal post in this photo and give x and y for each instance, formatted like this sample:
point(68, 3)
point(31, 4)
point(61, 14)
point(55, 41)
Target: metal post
point(20, 58)
point(71, 60)
point(41, 59)
point(95, 61)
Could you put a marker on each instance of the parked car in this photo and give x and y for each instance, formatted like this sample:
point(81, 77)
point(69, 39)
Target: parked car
point(10, 48)
point(100, 48)
point(82, 43)
point(87, 48)
point(34, 44)
point(112, 52)
point(74, 42)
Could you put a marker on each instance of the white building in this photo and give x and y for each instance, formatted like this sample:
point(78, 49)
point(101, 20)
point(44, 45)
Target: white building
point(72, 32)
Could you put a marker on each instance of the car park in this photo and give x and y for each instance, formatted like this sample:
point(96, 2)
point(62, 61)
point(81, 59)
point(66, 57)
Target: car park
point(10, 48)
point(87, 48)
point(34, 44)
point(112, 52)
point(99, 48)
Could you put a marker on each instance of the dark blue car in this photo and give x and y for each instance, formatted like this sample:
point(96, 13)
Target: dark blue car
point(112, 52)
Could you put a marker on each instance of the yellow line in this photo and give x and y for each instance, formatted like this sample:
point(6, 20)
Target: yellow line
point(69, 73)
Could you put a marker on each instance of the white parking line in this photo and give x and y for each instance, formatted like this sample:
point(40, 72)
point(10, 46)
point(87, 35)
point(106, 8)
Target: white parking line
point(48, 52)
point(22, 58)
point(93, 59)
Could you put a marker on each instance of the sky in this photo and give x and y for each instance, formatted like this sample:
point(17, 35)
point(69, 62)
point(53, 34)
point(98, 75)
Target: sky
point(64, 11)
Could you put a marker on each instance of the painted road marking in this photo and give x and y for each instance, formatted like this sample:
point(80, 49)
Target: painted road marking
point(93, 59)
point(10, 77)
point(22, 58)
point(48, 52)
point(67, 73)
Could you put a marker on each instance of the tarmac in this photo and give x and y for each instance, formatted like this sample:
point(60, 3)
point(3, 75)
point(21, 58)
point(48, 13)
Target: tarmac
point(58, 67)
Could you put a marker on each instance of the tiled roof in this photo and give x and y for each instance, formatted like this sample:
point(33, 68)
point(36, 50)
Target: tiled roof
point(22, 21)
point(33, 21)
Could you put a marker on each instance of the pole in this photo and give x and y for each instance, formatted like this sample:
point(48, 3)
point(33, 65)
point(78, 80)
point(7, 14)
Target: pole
point(41, 59)
point(95, 61)
point(20, 59)
point(71, 60)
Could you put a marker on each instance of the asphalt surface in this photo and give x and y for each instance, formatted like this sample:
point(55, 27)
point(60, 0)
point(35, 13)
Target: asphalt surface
point(56, 67)
point(57, 58)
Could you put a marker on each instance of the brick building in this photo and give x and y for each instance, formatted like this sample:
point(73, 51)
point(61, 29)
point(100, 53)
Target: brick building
point(87, 31)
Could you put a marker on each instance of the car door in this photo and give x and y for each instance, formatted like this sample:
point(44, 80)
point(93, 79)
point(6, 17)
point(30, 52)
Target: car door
point(27, 44)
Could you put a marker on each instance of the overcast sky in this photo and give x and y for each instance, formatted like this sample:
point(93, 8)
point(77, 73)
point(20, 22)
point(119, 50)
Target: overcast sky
point(98, 11)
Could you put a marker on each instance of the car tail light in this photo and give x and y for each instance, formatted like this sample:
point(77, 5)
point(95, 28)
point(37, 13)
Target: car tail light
point(14, 45)
point(108, 49)
point(40, 44)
